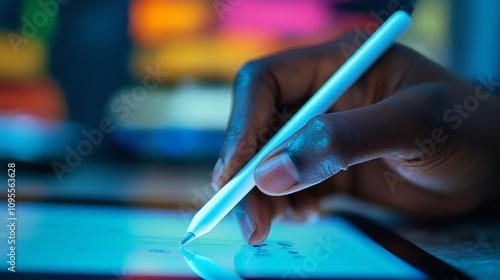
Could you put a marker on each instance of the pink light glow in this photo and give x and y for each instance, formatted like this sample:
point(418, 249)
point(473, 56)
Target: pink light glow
point(282, 17)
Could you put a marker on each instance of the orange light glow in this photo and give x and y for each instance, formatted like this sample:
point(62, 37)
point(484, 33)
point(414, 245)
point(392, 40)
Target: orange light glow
point(154, 21)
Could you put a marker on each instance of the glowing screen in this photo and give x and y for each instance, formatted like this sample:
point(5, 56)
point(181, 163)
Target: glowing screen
point(125, 241)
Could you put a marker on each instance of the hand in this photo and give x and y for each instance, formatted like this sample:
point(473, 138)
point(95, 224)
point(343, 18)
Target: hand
point(407, 125)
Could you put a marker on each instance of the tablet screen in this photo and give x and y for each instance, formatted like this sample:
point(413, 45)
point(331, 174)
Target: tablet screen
point(123, 242)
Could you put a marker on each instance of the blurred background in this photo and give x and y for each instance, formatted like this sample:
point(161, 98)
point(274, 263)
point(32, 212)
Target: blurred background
point(128, 101)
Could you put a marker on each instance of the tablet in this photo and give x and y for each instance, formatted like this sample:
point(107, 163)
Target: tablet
point(63, 241)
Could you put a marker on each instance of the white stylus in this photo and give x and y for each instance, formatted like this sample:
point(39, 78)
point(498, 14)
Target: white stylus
point(239, 186)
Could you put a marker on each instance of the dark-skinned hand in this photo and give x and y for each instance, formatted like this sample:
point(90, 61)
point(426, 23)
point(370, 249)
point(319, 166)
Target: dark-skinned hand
point(408, 125)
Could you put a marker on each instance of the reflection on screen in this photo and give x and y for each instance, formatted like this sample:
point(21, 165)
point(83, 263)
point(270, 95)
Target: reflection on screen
point(123, 241)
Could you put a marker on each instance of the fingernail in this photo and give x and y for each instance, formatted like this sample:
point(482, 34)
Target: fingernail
point(246, 224)
point(276, 174)
point(219, 167)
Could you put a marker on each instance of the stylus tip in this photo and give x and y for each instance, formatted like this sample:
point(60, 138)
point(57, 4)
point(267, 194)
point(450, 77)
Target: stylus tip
point(187, 238)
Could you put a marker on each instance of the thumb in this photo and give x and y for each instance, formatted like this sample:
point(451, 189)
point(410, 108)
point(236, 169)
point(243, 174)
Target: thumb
point(332, 142)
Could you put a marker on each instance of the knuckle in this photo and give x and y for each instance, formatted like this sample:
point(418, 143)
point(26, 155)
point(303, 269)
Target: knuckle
point(319, 150)
point(249, 70)
point(318, 123)
point(330, 134)
point(253, 74)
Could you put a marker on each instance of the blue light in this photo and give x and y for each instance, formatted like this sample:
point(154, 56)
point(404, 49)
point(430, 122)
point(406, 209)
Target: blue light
point(124, 241)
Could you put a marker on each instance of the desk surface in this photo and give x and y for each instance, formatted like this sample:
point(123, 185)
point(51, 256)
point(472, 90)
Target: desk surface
point(471, 246)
